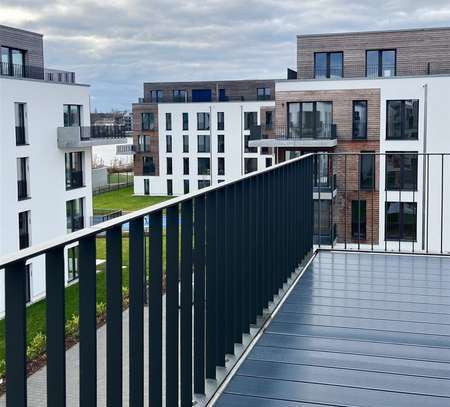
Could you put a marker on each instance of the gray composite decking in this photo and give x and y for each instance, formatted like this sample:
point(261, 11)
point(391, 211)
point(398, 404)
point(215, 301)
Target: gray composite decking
point(364, 330)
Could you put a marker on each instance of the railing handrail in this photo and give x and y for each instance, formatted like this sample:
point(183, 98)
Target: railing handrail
point(44, 247)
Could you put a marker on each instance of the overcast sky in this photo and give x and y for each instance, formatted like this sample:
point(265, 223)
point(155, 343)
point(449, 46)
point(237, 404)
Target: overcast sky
point(117, 45)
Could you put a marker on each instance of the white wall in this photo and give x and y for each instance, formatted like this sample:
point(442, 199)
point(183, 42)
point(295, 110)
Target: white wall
point(234, 144)
point(46, 166)
point(433, 121)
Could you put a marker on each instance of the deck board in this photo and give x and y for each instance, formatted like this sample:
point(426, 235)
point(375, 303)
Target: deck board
point(357, 330)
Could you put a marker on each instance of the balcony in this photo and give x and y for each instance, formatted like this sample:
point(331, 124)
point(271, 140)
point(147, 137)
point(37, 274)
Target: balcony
point(130, 149)
point(35, 72)
point(217, 98)
point(298, 325)
point(286, 136)
point(81, 137)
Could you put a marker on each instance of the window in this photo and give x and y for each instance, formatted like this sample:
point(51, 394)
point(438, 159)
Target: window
point(74, 214)
point(247, 148)
point(220, 120)
point(186, 186)
point(269, 121)
point(148, 166)
point(169, 187)
point(220, 143)
point(250, 120)
point(223, 96)
point(72, 115)
point(72, 263)
point(263, 93)
point(359, 131)
point(203, 183)
point(380, 63)
point(20, 112)
point(328, 65)
point(359, 220)
point(24, 232)
point(185, 143)
point(268, 162)
point(156, 96)
point(322, 218)
point(168, 143)
point(204, 166)
point(204, 145)
point(28, 283)
point(169, 121)
point(401, 172)
point(148, 121)
point(12, 62)
point(179, 95)
point(367, 170)
point(74, 170)
point(185, 166)
point(321, 170)
point(202, 121)
point(401, 221)
point(221, 166)
point(310, 120)
point(250, 164)
point(22, 178)
point(185, 121)
point(402, 119)
point(143, 144)
point(169, 165)
point(201, 95)
point(146, 187)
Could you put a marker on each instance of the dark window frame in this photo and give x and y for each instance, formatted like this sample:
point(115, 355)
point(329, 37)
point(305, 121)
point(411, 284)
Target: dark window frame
point(358, 232)
point(206, 143)
point(148, 168)
point(73, 254)
point(186, 186)
point(185, 165)
point(380, 61)
point(203, 121)
point(169, 146)
point(402, 155)
point(169, 166)
point(401, 222)
point(185, 117)
point(363, 156)
point(185, 143)
point(74, 175)
point(221, 121)
point(150, 124)
point(300, 118)
point(23, 182)
point(67, 116)
point(220, 165)
point(156, 95)
point(402, 114)
point(70, 212)
point(208, 168)
point(169, 187)
point(354, 137)
point(168, 121)
point(24, 231)
point(328, 67)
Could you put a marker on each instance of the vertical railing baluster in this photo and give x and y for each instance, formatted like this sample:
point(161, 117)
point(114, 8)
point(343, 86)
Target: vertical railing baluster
point(246, 262)
point(186, 304)
point(252, 250)
point(114, 317)
point(88, 322)
point(155, 310)
point(229, 269)
point(136, 311)
point(55, 321)
point(211, 298)
point(238, 263)
point(199, 295)
point(15, 335)
point(442, 201)
point(220, 278)
point(172, 294)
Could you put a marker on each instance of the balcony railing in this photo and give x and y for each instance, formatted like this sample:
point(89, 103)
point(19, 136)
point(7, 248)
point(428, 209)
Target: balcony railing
point(20, 136)
point(285, 132)
point(85, 136)
point(22, 189)
point(217, 98)
point(36, 72)
point(225, 251)
point(375, 71)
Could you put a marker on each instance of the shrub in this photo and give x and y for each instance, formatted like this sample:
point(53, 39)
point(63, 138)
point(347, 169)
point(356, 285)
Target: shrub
point(36, 346)
point(72, 326)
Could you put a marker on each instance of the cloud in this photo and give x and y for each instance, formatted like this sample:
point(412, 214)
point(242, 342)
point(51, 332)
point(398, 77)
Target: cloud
point(117, 45)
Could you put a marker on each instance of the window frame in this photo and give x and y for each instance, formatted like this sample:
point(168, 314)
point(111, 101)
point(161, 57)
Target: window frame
point(299, 130)
point(186, 166)
point(380, 62)
point(359, 234)
point(402, 155)
point(208, 170)
point(401, 223)
point(402, 115)
point(70, 169)
point(221, 166)
point(169, 166)
point(328, 67)
point(220, 121)
point(185, 119)
point(203, 121)
point(220, 143)
point(206, 143)
point(151, 123)
point(168, 121)
point(372, 156)
point(169, 146)
point(366, 136)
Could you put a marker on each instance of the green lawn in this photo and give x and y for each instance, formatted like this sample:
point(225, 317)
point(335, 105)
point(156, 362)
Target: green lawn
point(124, 200)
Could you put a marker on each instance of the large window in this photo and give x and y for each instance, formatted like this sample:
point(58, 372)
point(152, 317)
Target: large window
point(359, 220)
point(148, 121)
point(204, 143)
point(204, 166)
point(169, 187)
point(185, 166)
point(220, 120)
point(250, 120)
point(359, 131)
point(179, 95)
point(202, 121)
point(401, 172)
point(250, 164)
point(247, 148)
point(148, 166)
point(168, 143)
point(269, 119)
point(401, 221)
point(402, 119)
point(367, 170)
point(169, 166)
point(169, 121)
point(74, 170)
point(75, 217)
point(21, 135)
point(23, 189)
point(156, 96)
point(72, 263)
point(185, 143)
point(24, 230)
point(263, 93)
point(328, 65)
point(310, 120)
point(221, 166)
point(72, 115)
point(220, 143)
point(185, 121)
point(380, 63)
point(12, 62)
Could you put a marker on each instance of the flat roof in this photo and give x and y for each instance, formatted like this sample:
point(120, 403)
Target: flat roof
point(7, 27)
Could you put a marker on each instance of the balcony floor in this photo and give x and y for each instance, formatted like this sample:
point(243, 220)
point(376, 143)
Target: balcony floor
point(357, 330)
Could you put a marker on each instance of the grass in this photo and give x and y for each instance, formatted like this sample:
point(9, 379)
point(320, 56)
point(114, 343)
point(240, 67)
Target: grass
point(123, 199)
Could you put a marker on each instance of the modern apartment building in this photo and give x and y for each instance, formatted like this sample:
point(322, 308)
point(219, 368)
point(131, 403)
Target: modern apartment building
point(189, 135)
point(373, 103)
point(45, 154)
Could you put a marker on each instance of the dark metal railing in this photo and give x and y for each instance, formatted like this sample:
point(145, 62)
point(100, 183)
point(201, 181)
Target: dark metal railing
point(36, 72)
point(102, 132)
point(328, 132)
point(228, 248)
point(374, 71)
point(214, 98)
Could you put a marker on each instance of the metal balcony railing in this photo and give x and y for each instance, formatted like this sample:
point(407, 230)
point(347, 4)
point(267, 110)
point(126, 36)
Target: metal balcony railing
point(36, 72)
point(223, 251)
point(188, 99)
point(79, 136)
point(285, 132)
